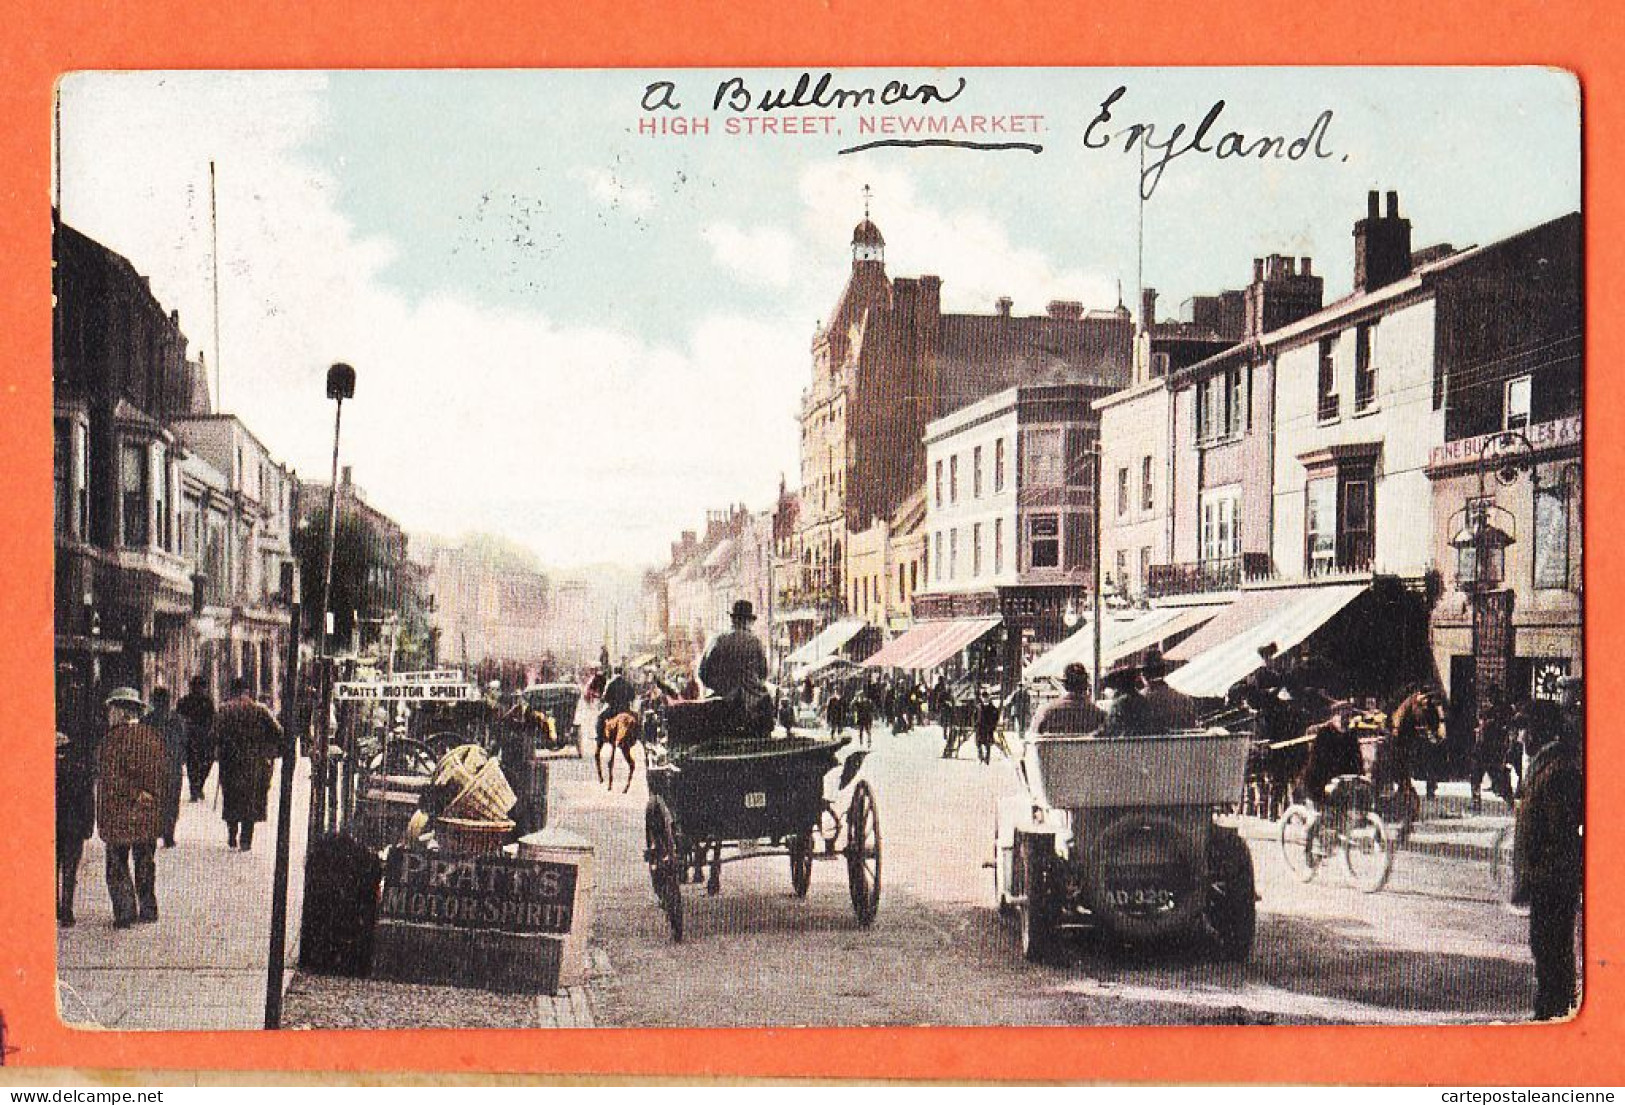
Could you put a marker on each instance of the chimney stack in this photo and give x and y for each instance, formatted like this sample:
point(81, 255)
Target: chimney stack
point(1258, 268)
point(344, 475)
point(1148, 307)
point(1306, 269)
point(1003, 305)
point(1064, 308)
point(1382, 246)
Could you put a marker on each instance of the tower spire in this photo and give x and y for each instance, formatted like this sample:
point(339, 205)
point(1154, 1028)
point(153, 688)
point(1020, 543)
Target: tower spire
point(867, 193)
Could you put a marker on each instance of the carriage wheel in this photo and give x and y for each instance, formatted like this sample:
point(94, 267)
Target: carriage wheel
point(863, 853)
point(801, 862)
point(665, 863)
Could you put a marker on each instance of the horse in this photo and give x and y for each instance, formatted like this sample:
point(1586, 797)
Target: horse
point(621, 733)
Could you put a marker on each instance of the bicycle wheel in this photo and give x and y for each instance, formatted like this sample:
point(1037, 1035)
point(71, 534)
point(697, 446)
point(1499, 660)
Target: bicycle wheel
point(1298, 833)
point(1368, 853)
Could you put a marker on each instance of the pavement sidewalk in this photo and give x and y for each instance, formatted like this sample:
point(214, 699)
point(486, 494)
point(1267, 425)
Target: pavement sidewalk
point(203, 964)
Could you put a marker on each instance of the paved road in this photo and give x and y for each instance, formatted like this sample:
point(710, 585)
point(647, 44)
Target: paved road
point(202, 965)
point(1433, 947)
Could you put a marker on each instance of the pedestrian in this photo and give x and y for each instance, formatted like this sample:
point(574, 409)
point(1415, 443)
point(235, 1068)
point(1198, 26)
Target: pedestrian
point(863, 718)
point(75, 817)
point(129, 807)
point(1075, 711)
point(835, 712)
point(249, 739)
point(1492, 739)
point(1020, 706)
point(196, 708)
point(1547, 859)
point(172, 728)
point(987, 726)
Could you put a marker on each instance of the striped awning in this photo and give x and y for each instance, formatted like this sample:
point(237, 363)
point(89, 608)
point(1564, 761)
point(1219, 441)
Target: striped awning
point(1225, 651)
point(829, 640)
point(930, 644)
point(1120, 638)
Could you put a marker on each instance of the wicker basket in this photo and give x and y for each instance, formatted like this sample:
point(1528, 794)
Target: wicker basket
point(461, 837)
point(458, 768)
point(487, 797)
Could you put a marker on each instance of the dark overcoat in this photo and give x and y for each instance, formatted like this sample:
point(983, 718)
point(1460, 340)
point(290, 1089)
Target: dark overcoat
point(249, 739)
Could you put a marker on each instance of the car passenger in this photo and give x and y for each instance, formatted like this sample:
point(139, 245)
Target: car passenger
point(1128, 714)
point(1166, 709)
point(1074, 712)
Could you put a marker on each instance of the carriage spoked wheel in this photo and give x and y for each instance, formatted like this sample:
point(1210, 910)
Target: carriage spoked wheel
point(863, 853)
point(665, 863)
point(801, 862)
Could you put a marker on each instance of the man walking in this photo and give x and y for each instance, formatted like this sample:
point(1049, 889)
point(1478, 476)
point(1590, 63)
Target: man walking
point(987, 726)
point(863, 718)
point(249, 739)
point(169, 725)
point(196, 709)
point(129, 808)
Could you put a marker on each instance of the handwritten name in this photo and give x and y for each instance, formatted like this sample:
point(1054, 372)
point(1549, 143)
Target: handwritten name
point(735, 95)
point(1160, 150)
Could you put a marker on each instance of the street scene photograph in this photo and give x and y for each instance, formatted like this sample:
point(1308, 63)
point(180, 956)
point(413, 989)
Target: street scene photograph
point(573, 549)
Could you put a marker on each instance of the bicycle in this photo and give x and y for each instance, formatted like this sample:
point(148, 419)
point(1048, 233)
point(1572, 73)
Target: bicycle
point(1349, 826)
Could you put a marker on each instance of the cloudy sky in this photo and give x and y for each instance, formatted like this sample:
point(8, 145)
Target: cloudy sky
point(583, 337)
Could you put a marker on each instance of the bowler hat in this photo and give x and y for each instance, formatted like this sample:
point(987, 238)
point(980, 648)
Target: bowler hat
point(743, 611)
point(127, 696)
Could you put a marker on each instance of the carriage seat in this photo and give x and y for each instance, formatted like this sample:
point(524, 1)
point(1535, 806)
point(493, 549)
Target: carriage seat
point(713, 720)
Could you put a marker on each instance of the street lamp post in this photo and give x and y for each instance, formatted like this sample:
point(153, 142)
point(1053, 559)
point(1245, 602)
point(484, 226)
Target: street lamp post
point(1095, 588)
point(1481, 545)
point(340, 386)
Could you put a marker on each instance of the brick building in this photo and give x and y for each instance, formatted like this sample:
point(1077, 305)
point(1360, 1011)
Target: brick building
point(888, 361)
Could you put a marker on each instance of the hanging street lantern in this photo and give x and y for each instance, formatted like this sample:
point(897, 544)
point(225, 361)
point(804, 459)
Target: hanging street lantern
point(1480, 551)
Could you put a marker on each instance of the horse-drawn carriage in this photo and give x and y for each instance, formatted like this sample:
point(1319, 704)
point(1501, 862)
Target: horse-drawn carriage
point(722, 796)
point(1120, 835)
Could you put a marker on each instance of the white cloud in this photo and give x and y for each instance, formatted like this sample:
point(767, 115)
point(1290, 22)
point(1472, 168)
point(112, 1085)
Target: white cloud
point(614, 191)
point(586, 444)
point(763, 254)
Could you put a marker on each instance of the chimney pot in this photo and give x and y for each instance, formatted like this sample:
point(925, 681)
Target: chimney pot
point(1258, 268)
point(1372, 211)
point(1393, 205)
point(1306, 267)
point(1003, 304)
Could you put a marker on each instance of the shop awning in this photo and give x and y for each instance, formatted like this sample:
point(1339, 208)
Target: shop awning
point(1225, 651)
point(642, 661)
point(929, 644)
point(1120, 638)
point(830, 640)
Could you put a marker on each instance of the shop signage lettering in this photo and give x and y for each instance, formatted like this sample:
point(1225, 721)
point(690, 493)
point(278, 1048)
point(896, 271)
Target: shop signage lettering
point(445, 675)
point(404, 692)
point(1557, 434)
point(485, 892)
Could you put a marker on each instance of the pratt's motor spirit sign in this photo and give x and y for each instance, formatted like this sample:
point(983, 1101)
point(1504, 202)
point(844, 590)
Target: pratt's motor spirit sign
point(404, 692)
point(484, 892)
point(440, 675)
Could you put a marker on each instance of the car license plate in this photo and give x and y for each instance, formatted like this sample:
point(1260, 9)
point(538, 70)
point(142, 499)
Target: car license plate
point(756, 800)
point(1141, 890)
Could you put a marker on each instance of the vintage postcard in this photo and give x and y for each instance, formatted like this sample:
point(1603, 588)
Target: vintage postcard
point(817, 547)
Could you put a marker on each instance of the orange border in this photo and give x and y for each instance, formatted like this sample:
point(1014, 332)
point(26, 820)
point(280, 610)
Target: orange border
point(47, 37)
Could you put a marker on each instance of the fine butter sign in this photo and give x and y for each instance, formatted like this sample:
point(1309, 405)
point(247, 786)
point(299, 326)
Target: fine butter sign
point(485, 892)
